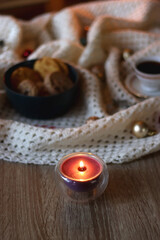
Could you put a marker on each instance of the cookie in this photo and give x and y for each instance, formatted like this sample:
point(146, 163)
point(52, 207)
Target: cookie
point(27, 87)
point(45, 66)
point(62, 66)
point(23, 73)
point(57, 83)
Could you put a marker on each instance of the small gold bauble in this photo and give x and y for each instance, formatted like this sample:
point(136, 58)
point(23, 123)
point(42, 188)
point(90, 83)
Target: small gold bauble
point(126, 53)
point(140, 129)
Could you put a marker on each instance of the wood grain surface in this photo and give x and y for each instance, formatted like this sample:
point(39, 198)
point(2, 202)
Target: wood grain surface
point(32, 208)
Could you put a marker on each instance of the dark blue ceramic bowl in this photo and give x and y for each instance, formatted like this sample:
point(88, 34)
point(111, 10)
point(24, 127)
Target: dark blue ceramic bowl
point(45, 107)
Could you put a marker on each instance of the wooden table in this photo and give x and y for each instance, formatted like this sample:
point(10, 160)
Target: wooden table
point(32, 208)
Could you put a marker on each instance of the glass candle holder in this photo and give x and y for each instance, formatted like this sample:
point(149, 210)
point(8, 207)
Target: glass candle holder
point(81, 176)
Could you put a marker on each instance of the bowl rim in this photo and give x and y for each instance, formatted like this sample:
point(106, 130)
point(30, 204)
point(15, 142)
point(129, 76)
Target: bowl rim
point(38, 97)
point(147, 75)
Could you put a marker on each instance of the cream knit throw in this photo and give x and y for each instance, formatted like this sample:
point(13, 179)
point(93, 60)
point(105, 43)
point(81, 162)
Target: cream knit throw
point(114, 26)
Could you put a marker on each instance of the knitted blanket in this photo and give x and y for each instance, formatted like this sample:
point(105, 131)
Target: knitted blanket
point(113, 26)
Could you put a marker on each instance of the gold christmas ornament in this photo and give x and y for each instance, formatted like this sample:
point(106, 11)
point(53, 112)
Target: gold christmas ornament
point(126, 53)
point(141, 130)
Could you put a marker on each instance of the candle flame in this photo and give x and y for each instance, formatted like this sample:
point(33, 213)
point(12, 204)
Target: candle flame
point(81, 164)
point(81, 167)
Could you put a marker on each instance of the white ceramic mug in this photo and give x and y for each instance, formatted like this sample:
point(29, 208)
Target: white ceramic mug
point(147, 70)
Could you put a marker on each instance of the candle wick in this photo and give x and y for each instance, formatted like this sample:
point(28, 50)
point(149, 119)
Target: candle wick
point(82, 169)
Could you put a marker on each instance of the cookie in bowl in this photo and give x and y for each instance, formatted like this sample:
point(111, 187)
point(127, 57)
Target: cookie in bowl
point(27, 87)
point(57, 82)
point(46, 66)
point(26, 81)
point(35, 97)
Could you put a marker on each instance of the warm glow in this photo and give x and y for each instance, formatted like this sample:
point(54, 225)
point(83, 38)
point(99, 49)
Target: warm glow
point(81, 164)
point(81, 167)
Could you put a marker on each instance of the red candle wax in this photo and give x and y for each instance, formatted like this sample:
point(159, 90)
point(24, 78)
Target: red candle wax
point(81, 172)
point(71, 168)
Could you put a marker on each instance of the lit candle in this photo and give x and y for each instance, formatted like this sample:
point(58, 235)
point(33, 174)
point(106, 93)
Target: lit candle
point(81, 172)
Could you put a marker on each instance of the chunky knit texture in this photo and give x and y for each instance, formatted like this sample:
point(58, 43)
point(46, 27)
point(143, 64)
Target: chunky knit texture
point(114, 26)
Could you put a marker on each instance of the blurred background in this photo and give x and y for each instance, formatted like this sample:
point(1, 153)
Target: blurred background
point(26, 9)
